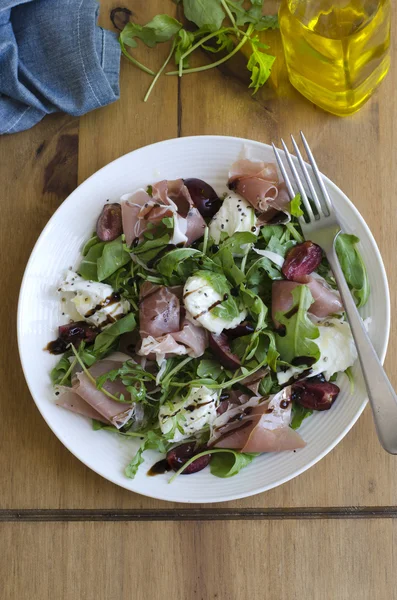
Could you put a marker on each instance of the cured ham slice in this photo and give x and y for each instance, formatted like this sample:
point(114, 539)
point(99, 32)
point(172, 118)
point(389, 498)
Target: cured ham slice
point(252, 382)
point(159, 311)
point(176, 193)
point(163, 327)
point(75, 403)
point(86, 399)
point(169, 199)
point(257, 182)
point(260, 427)
point(326, 300)
point(192, 337)
point(139, 209)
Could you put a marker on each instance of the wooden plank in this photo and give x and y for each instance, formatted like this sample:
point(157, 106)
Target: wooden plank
point(130, 123)
point(220, 561)
point(38, 169)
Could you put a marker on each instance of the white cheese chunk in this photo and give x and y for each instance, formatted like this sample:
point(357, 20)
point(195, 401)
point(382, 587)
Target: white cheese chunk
point(199, 296)
point(337, 351)
point(235, 214)
point(92, 297)
point(181, 419)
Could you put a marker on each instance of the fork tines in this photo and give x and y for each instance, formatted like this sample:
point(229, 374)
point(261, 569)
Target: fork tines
point(324, 208)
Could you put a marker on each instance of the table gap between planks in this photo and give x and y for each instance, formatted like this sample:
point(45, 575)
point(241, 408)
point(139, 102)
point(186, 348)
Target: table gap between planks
point(348, 500)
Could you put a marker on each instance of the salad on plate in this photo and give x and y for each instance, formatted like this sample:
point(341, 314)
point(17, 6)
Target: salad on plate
point(204, 325)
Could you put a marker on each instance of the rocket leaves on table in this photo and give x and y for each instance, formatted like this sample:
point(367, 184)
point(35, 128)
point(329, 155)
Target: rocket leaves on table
point(222, 26)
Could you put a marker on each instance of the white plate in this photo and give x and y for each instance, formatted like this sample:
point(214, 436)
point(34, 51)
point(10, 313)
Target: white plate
point(39, 314)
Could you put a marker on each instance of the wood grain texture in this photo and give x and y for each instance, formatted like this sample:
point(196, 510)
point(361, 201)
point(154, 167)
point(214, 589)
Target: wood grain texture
point(280, 560)
point(38, 169)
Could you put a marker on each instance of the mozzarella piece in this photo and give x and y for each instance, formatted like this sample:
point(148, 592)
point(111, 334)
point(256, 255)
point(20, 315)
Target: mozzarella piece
point(88, 295)
point(337, 351)
point(181, 419)
point(235, 214)
point(198, 297)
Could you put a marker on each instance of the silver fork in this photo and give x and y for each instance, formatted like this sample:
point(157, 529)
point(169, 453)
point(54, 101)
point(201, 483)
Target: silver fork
point(323, 228)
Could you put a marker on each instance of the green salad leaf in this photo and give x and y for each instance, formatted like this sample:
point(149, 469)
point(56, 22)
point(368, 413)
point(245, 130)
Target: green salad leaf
point(227, 464)
point(88, 268)
point(295, 206)
point(105, 340)
point(204, 12)
point(300, 331)
point(112, 258)
point(102, 259)
point(60, 370)
point(299, 413)
point(153, 440)
point(209, 368)
point(229, 308)
point(353, 267)
point(160, 29)
point(260, 64)
point(177, 265)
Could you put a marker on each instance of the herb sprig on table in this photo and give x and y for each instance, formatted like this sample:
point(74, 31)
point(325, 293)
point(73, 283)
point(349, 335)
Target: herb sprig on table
point(222, 26)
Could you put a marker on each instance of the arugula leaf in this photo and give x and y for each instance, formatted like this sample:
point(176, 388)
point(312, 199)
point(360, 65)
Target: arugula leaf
point(209, 368)
point(204, 12)
point(160, 29)
point(223, 42)
point(275, 245)
point(235, 242)
point(228, 309)
point(353, 267)
point(109, 335)
point(259, 63)
point(267, 22)
point(299, 413)
point(254, 274)
point(177, 265)
point(154, 440)
point(229, 463)
point(255, 306)
point(59, 371)
point(299, 329)
point(88, 266)
point(91, 242)
point(295, 206)
point(268, 231)
point(156, 239)
point(224, 258)
point(184, 42)
point(113, 257)
point(271, 350)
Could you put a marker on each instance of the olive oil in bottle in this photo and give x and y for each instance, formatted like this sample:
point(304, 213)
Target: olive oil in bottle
point(337, 52)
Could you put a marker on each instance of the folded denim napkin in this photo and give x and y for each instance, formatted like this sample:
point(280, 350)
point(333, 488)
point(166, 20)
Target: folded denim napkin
point(53, 57)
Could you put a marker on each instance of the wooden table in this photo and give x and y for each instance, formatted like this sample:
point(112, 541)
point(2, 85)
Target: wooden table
point(67, 533)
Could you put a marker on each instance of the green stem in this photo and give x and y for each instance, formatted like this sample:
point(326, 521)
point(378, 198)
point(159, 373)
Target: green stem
point(135, 61)
point(92, 379)
point(229, 14)
point(205, 242)
point(205, 453)
point(167, 60)
point(72, 365)
point(175, 370)
point(226, 384)
point(201, 42)
point(218, 62)
point(295, 234)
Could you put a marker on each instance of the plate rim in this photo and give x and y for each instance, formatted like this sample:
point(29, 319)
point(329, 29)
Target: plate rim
point(234, 496)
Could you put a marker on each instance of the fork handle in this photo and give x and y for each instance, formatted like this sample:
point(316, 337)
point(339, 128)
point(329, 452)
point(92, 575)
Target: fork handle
point(381, 395)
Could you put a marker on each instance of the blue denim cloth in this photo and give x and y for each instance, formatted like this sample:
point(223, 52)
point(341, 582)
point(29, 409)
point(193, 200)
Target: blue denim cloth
point(53, 57)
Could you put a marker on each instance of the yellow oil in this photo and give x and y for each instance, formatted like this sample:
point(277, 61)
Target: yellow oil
point(337, 53)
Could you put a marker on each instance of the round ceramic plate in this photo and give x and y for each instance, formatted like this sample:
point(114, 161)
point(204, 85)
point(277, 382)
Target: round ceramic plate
point(39, 314)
